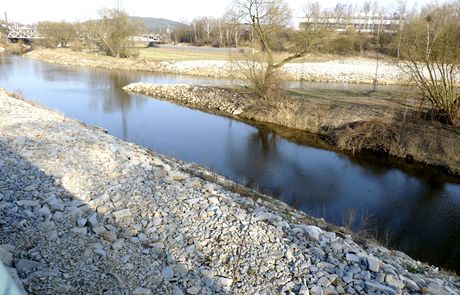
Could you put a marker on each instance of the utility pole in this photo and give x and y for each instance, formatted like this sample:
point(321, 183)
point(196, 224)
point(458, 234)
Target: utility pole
point(375, 81)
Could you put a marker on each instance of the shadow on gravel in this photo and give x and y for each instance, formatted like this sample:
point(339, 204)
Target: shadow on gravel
point(61, 246)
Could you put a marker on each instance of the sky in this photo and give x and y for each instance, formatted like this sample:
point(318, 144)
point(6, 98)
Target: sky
point(31, 11)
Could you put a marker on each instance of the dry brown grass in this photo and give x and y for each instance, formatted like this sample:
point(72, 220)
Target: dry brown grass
point(408, 136)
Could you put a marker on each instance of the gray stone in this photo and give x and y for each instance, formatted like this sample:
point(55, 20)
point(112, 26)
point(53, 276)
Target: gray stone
point(99, 230)
point(373, 264)
point(304, 290)
point(44, 211)
point(190, 249)
point(79, 230)
point(351, 257)
point(8, 247)
point(25, 266)
point(194, 290)
point(324, 282)
point(156, 221)
point(142, 238)
point(394, 282)
point(167, 273)
point(177, 291)
point(75, 203)
point(55, 204)
point(30, 188)
point(100, 252)
point(141, 291)
point(124, 213)
point(118, 244)
point(28, 203)
point(380, 287)
point(92, 220)
point(99, 201)
point(316, 290)
point(437, 289)
point(289, 256)
point(81, 222)
point(227, 282)
point(109, 236)
point(6, 257)
point(330, 291)
point(58, 216)
point(410, 284)
point(313, 232)
point(181, 269)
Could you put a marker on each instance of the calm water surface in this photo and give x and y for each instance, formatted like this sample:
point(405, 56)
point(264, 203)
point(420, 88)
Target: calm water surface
point(420, 208)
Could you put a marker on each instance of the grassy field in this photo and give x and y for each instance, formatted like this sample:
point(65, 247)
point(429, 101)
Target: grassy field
point(162, 54)
point(184, 54)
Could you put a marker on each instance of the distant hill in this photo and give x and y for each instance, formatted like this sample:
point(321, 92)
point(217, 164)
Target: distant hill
point(153, 24)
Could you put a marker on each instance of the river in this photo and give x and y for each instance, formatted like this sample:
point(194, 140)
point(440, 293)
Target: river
point(418, 208)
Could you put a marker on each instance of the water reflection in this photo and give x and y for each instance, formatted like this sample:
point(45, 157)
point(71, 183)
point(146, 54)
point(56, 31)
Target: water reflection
point(420, 207)
point(6, 65)
point(111, 99)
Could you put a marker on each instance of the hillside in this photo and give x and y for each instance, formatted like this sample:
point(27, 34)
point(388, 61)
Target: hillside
point(153, 24)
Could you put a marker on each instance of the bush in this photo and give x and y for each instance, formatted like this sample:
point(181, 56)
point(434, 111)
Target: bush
point(431, 56)
point(57, 33)
point(76, 45)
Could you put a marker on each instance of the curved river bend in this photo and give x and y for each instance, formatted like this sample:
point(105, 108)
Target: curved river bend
point(418, 207)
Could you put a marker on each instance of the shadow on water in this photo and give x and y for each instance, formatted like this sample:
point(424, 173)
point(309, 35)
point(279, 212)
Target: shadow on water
point(418, 205)
point(112, 100)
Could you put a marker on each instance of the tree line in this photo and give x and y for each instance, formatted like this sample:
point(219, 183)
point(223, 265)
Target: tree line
point(111, 33)
point(231, 31)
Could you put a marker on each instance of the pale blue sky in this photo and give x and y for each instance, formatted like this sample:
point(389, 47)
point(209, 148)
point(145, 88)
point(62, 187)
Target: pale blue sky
point(29, 11)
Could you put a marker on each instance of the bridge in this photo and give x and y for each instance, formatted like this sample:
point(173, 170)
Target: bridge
point(15, 33)
point(28, 33)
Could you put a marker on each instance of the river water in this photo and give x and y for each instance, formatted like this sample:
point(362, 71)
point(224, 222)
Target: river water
point(419, 208)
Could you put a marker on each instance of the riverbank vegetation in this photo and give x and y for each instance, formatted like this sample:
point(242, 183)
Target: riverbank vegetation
point(431, 55)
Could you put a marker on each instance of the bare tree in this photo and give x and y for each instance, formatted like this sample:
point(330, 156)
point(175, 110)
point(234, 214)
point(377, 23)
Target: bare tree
point(57, 33)
point(114, 32)
point(401, 13)
point(267, 18)
point(339, 13)
point(430, 53)
point(235, 26)
point(312, 12)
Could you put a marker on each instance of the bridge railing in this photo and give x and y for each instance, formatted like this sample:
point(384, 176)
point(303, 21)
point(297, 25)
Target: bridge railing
point(17, 32)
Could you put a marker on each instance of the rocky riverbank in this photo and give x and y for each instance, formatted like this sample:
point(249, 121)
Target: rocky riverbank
point(365, 124)
point(342, 71)
point(86, 213)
